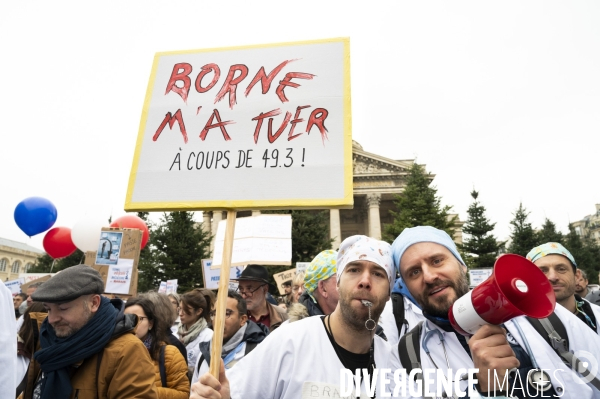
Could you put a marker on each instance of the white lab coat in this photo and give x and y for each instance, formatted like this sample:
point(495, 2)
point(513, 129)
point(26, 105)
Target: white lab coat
point(567, 383)
point(581, 339)
point(292, 355)
point(205, 367)
point(596, 310)
point(412, 313)
point(193, 347)
point(8, 343)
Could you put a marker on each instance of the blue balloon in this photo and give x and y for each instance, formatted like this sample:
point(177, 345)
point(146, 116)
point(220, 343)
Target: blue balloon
point(34, 215)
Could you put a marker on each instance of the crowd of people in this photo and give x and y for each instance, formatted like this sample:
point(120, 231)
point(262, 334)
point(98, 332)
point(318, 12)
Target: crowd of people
point(377, 310)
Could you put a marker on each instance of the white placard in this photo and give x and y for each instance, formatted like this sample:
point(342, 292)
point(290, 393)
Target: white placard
point(478, 276)
point(118, 279)
point(263, 239)
point(28, 277)
point(14, 285)
point(212, 276)
point(301, 267)
point(246, 128)
point(171, 286)
point(163, 287)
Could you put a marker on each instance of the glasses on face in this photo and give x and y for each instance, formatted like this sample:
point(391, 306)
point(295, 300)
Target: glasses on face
point(248, 292)
point(228, 314)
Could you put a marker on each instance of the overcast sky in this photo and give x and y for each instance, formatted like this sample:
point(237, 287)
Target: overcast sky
point(503, 97)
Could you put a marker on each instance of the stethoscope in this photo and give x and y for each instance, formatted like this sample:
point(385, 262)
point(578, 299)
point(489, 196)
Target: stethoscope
point(538, 379)
point(426, 336)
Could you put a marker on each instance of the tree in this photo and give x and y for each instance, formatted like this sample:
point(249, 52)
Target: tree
point(523, 238)
point(44, 263)
point(310, 236)
point(418, 205)
point(481, 245)
point(180, 245)
point(149, 275)
point(585, 251)
point(548, 233)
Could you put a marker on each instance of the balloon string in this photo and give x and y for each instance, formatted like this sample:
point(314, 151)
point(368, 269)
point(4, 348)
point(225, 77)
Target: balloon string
point(51, 267)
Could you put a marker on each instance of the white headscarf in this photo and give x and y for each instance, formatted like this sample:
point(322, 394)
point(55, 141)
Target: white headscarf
point(366, 248)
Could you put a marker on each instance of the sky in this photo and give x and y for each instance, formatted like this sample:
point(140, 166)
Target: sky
point(501, 97)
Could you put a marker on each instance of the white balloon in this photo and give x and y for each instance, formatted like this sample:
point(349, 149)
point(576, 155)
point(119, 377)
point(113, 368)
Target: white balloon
point(86, 233)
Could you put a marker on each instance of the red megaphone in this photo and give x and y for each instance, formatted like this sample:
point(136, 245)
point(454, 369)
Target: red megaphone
point(517, 287)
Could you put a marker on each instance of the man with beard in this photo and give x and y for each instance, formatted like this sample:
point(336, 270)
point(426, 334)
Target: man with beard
point(88, 344)
point(559, 266)
point(434, 273)
point(310, 355)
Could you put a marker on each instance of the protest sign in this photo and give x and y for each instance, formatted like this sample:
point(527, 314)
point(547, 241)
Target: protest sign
point(301, 267)
point(478, 276)
point(263, 240)
point(163, 287)
point(282, 277)
point(171, 286)
point(112, 267)
point(38, 278)
point(14, 285)
point(264, 126)
point(212, 276)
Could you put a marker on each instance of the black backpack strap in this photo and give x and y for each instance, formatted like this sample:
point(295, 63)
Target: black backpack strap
point(409, 349)
point(200, 363)
point(398, 310)
point(249, 347)
point(560, 339)
point(161, 366)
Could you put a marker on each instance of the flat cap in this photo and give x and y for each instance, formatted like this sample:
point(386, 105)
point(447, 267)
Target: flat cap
point(70, 284)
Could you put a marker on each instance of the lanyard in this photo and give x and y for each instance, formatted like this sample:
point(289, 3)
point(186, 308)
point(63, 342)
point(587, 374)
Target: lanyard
point(231, 354)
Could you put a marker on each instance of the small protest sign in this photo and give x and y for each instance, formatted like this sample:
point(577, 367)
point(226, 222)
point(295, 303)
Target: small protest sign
point(282, 277)
point(212, 276)
point(301, 267)
point(478, 276)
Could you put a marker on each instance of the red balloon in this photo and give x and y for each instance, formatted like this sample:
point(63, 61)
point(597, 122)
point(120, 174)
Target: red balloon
point(133, 222)
point(58, 243)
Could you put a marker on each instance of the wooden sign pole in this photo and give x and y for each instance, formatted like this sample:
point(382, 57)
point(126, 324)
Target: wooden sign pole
point(219, 322)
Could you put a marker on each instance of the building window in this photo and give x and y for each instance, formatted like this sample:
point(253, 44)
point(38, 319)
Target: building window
point(3, 263)
point(27, 267)
point(16, 266)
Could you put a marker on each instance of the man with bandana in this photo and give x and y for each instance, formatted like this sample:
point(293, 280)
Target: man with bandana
point(310, 355)
point(559, 266)
point(320, 296)
point(434, 274)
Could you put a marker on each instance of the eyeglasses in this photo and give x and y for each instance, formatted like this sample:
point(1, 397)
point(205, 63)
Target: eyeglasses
point(249, 292)
point(228, 314)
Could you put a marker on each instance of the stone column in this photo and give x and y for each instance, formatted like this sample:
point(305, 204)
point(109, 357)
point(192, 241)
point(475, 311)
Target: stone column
point(206, 215)
point(373, 201)
point(335, 230)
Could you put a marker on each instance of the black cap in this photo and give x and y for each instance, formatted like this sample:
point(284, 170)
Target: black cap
point(255, 273)
point(70, 284)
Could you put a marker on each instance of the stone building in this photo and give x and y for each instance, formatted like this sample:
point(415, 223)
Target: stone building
point(377, 180)
point(16, 257)
point(589, 226)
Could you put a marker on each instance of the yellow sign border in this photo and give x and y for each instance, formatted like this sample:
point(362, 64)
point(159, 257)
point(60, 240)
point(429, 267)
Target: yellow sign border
point(346, 201)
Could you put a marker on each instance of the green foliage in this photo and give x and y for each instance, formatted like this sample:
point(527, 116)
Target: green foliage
point(586, 253)
point(149, 277)
point(44, 263)
point(310, 236)
point(548, 233)
point(178, 246)
point(481, 246)
point(523, 238)
point(418, 205)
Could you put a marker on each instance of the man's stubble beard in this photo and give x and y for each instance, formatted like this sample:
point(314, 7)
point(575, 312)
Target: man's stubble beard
point(461, 287)
point(354, 319)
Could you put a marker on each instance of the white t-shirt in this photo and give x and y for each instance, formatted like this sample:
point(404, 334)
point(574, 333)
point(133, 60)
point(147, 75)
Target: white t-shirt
point(193, 347)
point(294, 357)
